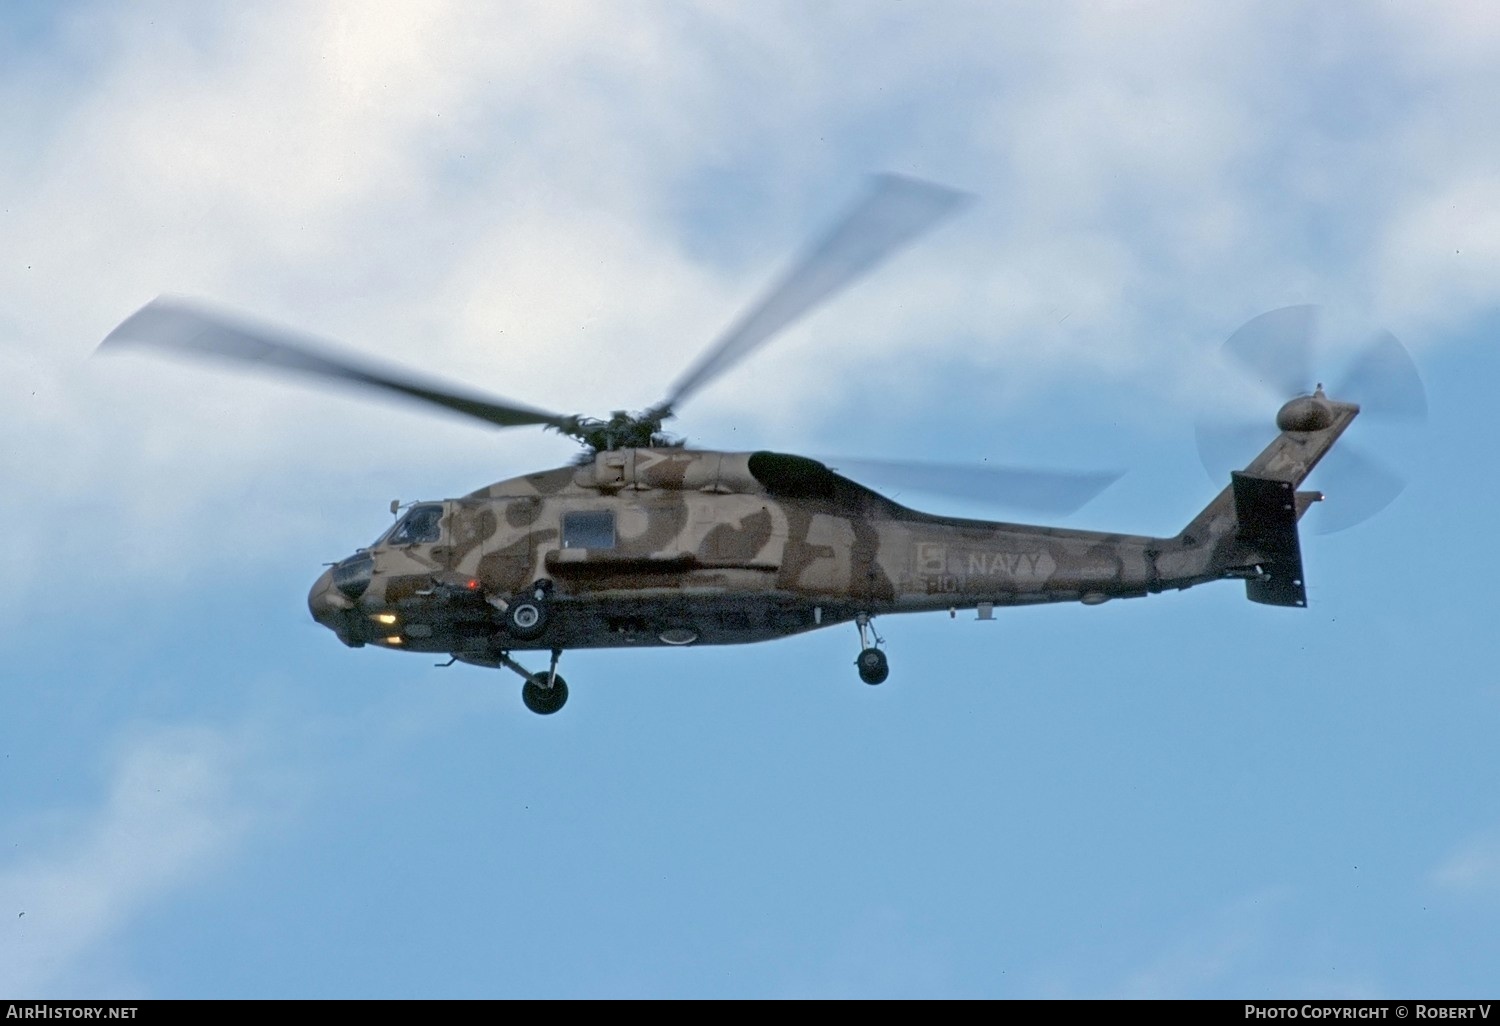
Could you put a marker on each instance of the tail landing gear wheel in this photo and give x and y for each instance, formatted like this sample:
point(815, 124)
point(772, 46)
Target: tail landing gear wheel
point(873, 666)
point(526, 619)
point(545, 701)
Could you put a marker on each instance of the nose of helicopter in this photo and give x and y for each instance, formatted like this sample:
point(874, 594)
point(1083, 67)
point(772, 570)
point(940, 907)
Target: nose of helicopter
point(336, 593)
point(324, 602)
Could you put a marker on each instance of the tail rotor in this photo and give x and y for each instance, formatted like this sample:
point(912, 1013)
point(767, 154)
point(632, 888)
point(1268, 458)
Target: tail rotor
point(1278, 350)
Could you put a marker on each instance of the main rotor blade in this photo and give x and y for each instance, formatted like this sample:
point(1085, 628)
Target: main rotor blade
point(1276, 347)
point(894, 213)
point(187, 327)
point(1041, 491)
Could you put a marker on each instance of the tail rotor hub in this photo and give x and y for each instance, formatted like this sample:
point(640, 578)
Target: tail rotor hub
point(1305, 413)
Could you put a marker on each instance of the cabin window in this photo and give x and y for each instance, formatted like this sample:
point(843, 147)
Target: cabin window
point(589, 529)
point(421, 524)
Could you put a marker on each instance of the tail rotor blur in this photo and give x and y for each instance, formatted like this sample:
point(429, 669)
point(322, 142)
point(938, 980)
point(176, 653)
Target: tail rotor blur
point(1278, 350)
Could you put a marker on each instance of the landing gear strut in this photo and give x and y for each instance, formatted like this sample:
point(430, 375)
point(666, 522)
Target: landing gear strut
point(873, 666)
point(543, 693)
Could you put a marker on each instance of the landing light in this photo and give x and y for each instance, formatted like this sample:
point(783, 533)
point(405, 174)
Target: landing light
point(394, 639)
point(385, 618)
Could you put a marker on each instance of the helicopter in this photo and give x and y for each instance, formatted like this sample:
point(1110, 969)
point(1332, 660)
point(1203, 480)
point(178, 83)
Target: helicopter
point(644, 541)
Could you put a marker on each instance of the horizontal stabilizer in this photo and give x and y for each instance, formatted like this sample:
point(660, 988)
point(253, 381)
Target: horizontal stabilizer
point(1305, 502)
point(1266, 510)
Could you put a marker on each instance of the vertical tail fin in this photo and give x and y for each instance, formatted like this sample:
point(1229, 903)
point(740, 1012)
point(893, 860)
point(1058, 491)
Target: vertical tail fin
point(1266, 511)
point(1249, 530)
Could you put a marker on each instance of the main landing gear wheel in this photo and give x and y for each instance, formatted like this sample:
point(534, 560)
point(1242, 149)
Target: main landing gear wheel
point(526, 618)
point(543, 693)
point(874, 668)
point(542, 700)
point(872, 664)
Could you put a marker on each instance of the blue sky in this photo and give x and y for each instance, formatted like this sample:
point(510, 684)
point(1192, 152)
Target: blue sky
point(202, 794)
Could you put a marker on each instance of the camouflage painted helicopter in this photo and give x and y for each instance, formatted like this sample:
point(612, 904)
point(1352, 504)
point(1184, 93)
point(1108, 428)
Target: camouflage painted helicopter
point(644, 541)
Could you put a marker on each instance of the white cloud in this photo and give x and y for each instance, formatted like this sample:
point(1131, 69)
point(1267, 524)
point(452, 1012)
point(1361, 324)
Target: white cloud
point(1251, 946)
point(499, 195)
point(1473, 869)
point(1445, 35)
point(172, 812)
point(880, 954)
point(1440, 257)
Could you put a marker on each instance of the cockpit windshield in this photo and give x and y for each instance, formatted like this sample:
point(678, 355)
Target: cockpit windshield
point(421, 524)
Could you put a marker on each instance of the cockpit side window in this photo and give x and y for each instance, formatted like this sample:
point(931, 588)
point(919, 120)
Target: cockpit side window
point(589, 529)
point(421, 524)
